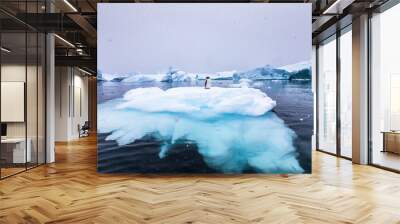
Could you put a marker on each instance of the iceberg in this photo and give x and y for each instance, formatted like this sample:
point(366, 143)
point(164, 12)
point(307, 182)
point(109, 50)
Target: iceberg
point(140, 78)
point(257, 84)
point(234, 128)
point(243, 83)
point(199, 102)
point(297, 66)
point(178, 76)
point(301, 70)
point(225, 75)
point(265, 73)
point(114, 77)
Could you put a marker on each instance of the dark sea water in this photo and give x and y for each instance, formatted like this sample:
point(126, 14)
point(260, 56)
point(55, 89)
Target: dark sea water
point(294, 105)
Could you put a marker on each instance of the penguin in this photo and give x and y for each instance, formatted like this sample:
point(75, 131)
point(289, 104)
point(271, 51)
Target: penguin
point(207, 83)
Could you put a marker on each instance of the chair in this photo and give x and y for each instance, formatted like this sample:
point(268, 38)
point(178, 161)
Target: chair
point(84, 130)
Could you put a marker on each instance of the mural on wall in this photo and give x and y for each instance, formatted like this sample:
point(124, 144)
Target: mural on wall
point(204, 88)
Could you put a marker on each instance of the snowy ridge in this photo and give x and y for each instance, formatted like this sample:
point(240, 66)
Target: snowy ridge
point(297, 67)
point(301, 70)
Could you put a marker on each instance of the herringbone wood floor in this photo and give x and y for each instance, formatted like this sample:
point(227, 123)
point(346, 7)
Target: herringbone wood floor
point(70, 191)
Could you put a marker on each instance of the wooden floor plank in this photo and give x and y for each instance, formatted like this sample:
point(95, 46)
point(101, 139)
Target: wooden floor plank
point(71, 191)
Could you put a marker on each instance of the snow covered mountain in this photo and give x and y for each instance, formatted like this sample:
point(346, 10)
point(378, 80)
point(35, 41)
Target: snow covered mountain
point(113, 77)
point(297, 67)
point(264, 73)
point(174, 75)
point(301, 70)
point(144, 78)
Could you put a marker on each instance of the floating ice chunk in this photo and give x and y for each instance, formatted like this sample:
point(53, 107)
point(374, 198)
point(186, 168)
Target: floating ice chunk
point(243, 83)
point(232, 143)
point(258, 84)
point(199, 102)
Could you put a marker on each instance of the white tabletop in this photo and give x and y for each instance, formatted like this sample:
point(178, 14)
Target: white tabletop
point(12, 140)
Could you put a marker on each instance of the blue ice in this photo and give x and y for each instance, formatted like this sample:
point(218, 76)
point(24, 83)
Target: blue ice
point(234, 128)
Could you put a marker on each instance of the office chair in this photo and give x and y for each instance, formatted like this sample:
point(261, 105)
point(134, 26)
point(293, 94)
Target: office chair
point(84, 130)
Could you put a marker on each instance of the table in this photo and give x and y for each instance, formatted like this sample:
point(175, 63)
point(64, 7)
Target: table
point(15, 148)
point(391, 141)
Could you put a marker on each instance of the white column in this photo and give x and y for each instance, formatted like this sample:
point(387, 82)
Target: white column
point(360, 90)
point(314, 90)
point(50, 99)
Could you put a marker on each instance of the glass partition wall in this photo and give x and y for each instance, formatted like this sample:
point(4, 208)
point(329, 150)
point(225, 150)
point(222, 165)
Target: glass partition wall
point(334, 103)
point(334, 116)
point(22, 77)
point(13, 89)
point(345, 61)
point(327, 95)
point(385, 89)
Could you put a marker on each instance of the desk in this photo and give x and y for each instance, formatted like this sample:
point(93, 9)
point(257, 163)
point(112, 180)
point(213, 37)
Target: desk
point(16, 147)
point(391, 141)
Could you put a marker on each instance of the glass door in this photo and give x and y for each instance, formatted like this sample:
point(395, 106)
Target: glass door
point(327, 96)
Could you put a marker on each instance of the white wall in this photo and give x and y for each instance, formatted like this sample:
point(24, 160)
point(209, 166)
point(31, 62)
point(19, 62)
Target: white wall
point(71, 102)
point(62, 82)
point(80, 103)
point(16, 73)
point(13, 100)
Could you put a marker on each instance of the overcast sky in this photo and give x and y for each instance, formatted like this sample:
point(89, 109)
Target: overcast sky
point(149, 38)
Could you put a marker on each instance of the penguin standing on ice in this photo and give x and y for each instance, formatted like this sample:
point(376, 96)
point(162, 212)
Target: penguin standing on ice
point(207, 83)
